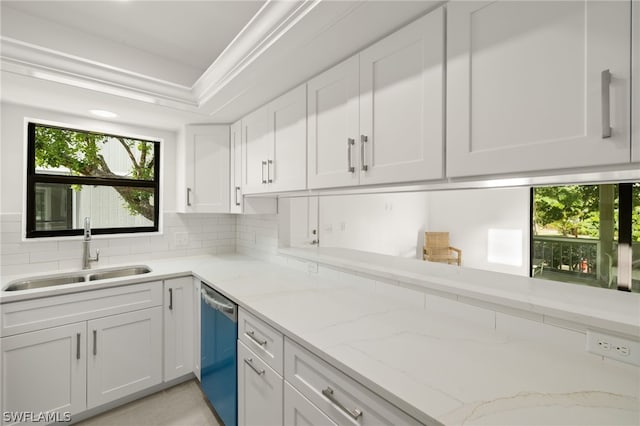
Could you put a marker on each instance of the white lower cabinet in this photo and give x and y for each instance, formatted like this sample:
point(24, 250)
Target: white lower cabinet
point(299, 411)
point(124, 355)
point(178, 327)
point(259, 390)
point(196, 329)
point(44, 371)
point(339, 397)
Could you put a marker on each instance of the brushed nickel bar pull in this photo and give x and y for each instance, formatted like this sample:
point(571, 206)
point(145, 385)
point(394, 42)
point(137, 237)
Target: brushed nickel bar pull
point(249, 362)
point(251, 335)
point(188, 196)
point(363, 140)
point(264, 163)
point(355, 414)
point(95, 342)
point(171, 299)
point(350, 143)
point(605, 78)
point(269, 163)
point(78, 346)
point(237, 191)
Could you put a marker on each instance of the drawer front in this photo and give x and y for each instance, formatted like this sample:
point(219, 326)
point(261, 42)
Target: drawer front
point(341, 398)
point(262, 339)
point(299, 411)
point(259, 391)
point(31, 315)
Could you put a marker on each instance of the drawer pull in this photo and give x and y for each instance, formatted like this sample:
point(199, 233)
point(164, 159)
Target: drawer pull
point(249, 362)
point(355, 414)
point(251, 335)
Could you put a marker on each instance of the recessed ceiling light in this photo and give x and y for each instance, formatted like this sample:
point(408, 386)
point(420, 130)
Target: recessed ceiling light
point(103, 114)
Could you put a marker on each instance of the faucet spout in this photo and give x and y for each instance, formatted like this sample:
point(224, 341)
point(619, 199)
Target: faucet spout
point(86, 249)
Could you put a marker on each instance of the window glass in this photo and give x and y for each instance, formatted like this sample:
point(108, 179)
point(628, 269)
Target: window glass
point(74, 174)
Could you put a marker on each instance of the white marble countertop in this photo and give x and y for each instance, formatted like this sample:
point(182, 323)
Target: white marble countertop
point(431, 365)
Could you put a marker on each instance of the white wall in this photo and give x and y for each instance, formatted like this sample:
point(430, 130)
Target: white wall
point(469, 215)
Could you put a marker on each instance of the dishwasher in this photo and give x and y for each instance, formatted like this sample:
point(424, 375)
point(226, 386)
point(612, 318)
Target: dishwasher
point(218, 335)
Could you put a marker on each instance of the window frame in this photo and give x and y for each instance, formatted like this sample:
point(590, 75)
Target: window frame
point(33, 178)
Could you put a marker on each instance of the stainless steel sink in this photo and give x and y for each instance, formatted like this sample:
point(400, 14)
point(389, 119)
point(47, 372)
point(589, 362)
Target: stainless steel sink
point(76, 277)
point(118, 273)
point(32, 283)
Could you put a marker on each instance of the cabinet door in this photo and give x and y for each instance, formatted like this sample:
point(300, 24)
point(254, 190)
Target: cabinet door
point(124, 355)
point(178, 327)
point(256, 150)
point(527, 88)
point(196, 328)
point(207, 157)
point(332, 108)
point(44, 371)
point(287, 168)
point(635, 84)
point(299, 411)
point(236, 168)
point(401, 104)
point(259, 391)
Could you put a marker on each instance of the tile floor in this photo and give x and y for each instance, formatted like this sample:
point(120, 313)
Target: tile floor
point(181, 405)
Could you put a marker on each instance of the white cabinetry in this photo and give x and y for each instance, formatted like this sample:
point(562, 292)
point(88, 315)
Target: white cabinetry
point(78, 351)
point(378, 117)
point(125, 355)
point(178, 327)
point(528, 88)
point(45, 371)
point(206, 169)
point(635, 84)
point(196, 328)
point(236, 168)
point(260, 382)
point(298, 411)
point(275, 145)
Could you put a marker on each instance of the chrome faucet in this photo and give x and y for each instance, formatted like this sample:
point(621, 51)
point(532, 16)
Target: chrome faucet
point(86, 249)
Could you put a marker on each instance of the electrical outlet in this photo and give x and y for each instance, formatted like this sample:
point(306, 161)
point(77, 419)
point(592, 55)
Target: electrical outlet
point(181, 239)
point(614, 347)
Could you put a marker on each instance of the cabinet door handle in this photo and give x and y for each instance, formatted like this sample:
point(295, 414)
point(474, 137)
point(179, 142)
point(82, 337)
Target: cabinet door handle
point(237, 191)
point(355, 414)
point(95, 342)
point(264, 163)
point(78, 346)
point(170, 299)
point(269, 163)
point(605, 81)
point(363, 140)
point(188, 196)
point(249, 362)
point(251, 335)
point(350, 143)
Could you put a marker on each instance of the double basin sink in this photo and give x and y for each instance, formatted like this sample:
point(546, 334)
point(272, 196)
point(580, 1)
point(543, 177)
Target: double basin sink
point(76, 277)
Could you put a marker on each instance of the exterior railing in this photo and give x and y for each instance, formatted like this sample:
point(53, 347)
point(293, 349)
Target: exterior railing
point(578, 255)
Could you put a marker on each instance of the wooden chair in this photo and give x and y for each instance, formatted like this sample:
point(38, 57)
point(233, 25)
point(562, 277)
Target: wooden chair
point(437, 249)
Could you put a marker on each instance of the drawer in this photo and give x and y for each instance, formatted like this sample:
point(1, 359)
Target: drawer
point(37, 314)
point(261, 338)
point(259, 391)
point(299, 411)
point(341, 398)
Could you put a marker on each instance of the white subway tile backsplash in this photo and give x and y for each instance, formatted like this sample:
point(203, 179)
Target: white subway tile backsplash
point(14, 259)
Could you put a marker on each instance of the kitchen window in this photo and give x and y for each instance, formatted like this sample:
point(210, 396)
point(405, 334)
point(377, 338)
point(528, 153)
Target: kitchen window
point(73, 174)
point(587, 234)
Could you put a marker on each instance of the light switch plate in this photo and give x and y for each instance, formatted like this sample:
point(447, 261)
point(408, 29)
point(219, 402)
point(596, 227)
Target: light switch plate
point(614, 347)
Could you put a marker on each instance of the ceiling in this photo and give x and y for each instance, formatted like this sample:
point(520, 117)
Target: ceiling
point(168, 63)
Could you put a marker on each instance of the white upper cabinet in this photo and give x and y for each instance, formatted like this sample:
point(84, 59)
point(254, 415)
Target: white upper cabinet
point(287, 163)
point(528, 85)
point(255, 150)
point(401, 98)
point(275, 145)
point(207, 169)
point(635, 85)
point(235, 147)
point(333, 126)
point(378, 116)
